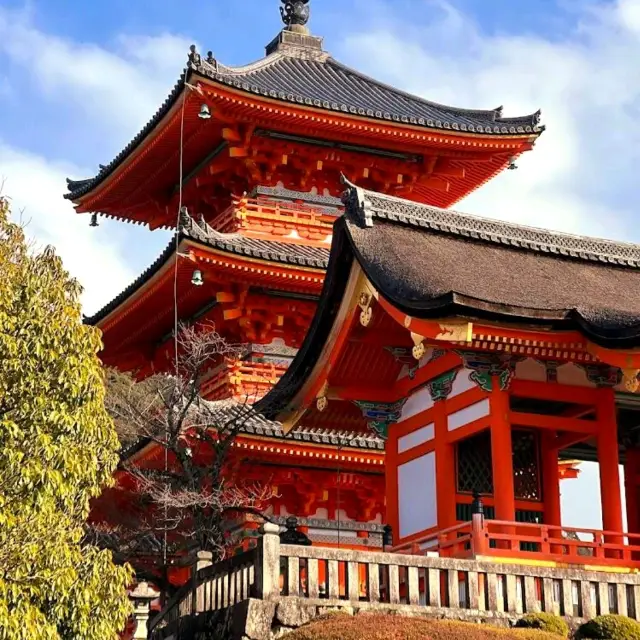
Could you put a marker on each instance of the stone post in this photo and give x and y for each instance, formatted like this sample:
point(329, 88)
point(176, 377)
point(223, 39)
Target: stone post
point(142, 597)
point(201, 560)
point(267, 576)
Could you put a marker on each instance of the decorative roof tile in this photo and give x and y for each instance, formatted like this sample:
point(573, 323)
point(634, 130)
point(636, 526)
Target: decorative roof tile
point(371, 206)
point(256, 424)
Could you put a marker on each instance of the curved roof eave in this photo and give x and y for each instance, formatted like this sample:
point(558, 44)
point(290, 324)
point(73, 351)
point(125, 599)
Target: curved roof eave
point(234, 245)
point(244, 80)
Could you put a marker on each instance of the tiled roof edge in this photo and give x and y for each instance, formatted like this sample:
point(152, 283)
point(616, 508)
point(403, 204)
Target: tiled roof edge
point(369, 206)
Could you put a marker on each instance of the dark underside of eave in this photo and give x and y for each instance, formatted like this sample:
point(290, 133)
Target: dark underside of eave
point(235, 245)
point(340, 261)
point(330, 86)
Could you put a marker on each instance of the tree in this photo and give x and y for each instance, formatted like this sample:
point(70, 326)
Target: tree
point(186, 492)
point(58, 449)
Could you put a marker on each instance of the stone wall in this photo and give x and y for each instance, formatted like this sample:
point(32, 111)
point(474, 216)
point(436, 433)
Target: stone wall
point(263, 620)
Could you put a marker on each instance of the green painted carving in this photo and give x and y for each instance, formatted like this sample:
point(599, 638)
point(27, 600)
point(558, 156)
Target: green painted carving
point(483, 379)
point(484, 367)
point(380, 428)
point(440, 387)
point(381, 414)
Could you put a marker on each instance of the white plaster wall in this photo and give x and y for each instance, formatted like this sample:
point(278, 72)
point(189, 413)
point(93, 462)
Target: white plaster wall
point(531, 369)
point(417, 504)
point(415, 438)
point(462, 383)
point(468, 414)
point(572, 374)
point(419, 401)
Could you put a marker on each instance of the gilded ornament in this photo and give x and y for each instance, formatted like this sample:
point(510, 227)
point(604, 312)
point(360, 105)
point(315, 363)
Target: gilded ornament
point(418, 351)
point(630, 380)
point(322, 403)
point(365, 317)
point(456, 332)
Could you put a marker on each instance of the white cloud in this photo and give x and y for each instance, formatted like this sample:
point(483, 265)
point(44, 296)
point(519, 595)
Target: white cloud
point(120, 89)
point(34, 186)
point(582, 172)
point(116, 91)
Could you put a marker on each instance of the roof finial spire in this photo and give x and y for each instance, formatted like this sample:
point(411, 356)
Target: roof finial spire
point(295, 14)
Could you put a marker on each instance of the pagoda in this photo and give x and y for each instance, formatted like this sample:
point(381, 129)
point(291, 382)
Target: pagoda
point(245, 164)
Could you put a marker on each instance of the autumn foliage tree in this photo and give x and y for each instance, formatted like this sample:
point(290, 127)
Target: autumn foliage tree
point(58, 449)
point(186, 492)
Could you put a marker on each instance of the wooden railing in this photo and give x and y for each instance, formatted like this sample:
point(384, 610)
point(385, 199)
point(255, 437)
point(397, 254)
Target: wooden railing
point(531, 541)
point(328, 577)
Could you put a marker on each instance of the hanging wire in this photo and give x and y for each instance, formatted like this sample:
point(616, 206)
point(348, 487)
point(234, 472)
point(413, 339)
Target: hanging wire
point(175, 313)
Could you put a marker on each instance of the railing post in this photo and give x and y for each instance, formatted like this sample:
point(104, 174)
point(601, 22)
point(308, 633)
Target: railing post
point(268, 562)
point(203, 559)
point(478, 537)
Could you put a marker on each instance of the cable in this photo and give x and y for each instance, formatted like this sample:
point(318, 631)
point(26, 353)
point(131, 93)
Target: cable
point(175, 311)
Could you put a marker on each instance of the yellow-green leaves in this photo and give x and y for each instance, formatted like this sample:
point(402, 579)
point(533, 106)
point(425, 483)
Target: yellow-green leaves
point(58, 449)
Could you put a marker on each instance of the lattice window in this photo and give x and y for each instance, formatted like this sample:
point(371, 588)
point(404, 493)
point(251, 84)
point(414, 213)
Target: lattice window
point(475, 472)
point(474, 465)
point(526, 468)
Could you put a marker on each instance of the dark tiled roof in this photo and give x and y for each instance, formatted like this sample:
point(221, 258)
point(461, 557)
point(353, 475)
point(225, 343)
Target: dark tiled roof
point(257, 424)
point(232, 243)
point(306, 75)
point(474, 266)
point(226, 413)
point(325, 83)
point(273, 251)
point(280, 193)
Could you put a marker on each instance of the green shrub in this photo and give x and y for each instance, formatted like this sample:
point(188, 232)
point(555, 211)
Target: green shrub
point(544, 622)
point(610, 627)
point(391, 627)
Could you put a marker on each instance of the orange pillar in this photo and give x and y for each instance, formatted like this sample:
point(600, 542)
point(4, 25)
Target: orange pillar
point(502, 455)
point(609, 460)
point(445, 469)
point(550, 480)
point(632, 489)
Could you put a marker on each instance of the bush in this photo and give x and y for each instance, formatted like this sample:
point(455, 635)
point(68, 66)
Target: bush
point(610, 627)
point(390, 627)
point(544, 622)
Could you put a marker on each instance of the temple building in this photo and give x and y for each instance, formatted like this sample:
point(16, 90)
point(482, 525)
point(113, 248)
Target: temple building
point(525, 352)
point(247, 164)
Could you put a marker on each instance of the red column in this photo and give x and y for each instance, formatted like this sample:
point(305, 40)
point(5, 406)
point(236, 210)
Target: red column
point(502, 455)
point(391, 482)
point(609, 460)
point(445, 469)
point(550, 480)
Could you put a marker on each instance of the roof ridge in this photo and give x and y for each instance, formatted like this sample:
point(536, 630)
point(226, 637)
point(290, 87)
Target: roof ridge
point(370, 205)
point(497, 112)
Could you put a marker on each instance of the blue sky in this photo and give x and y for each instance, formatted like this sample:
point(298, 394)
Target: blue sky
point(78, 80)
